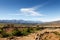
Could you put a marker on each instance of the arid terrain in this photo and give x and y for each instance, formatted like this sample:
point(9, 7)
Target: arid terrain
point(46, 34)
point(46, 31)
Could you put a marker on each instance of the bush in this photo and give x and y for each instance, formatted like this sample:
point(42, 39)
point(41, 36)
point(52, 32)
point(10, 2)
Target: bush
point(0, 31)
point(30, 30)
point(24, 33)
point(16, 32)
point(4, 34)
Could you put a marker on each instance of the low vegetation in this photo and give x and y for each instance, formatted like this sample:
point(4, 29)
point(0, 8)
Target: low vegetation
point(16, 31)
point(3, 34)
point(50, 36)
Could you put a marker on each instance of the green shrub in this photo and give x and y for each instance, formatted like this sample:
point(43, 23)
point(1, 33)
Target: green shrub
point(24, 33)
point(39, 28)
point(16, 32)
point(0, 31)
point(4, 34)
point(30, 30)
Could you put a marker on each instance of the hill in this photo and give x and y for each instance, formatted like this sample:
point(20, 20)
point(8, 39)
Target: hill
point(50, 24)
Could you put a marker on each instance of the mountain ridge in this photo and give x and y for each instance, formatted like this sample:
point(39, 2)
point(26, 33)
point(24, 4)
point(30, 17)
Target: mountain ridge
point(20, 21)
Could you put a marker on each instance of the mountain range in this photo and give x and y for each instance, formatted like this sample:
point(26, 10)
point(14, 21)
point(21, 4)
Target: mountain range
point(20, 21)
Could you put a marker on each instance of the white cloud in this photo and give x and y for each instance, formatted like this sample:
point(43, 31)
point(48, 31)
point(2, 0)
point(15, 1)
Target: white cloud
point(30, 12)
point(14, 14)
point(54, 19)
point(49, 20)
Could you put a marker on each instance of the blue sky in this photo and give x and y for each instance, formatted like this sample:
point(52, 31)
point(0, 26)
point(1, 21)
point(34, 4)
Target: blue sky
point(34, 10)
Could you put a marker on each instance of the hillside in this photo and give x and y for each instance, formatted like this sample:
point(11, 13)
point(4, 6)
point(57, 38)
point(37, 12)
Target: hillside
point(50, 24)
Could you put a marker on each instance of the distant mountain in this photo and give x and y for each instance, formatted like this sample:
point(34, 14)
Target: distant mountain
point(54, 22)
point(51, 24)
point(20, 21)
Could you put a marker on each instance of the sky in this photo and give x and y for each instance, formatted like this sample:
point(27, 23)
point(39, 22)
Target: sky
point(33, 10)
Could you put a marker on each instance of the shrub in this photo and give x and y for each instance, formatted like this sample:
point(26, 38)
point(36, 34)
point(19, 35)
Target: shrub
point(16, 32)
point(24, 33)
point(0, 31)
point(4, 34)
point(30, 30)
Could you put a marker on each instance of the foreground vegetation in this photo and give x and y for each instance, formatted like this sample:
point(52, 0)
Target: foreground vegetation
point(16, 31)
